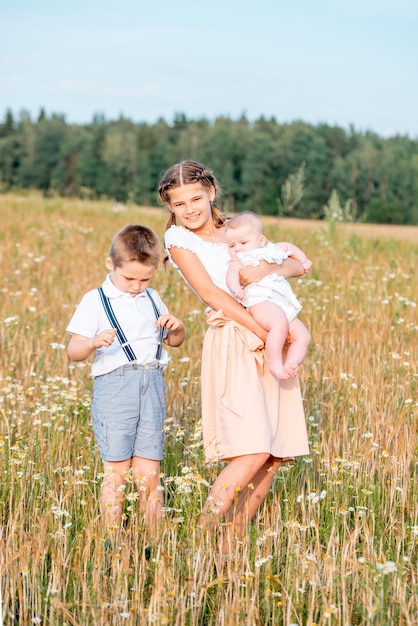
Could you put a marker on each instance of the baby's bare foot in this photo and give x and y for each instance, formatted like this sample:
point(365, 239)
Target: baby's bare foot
point(278, 370)
point(291, 369)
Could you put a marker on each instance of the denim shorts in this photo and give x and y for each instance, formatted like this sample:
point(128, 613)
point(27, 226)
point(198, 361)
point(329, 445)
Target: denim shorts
point(128, 412)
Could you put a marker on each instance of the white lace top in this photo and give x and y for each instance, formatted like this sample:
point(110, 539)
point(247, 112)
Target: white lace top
point(214, 256)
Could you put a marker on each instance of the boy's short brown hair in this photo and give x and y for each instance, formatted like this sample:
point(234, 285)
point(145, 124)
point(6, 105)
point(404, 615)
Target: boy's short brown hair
point(135, 242)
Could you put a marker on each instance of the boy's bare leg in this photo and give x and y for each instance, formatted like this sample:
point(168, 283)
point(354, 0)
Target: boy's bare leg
point(112, 494)
point(146, 476)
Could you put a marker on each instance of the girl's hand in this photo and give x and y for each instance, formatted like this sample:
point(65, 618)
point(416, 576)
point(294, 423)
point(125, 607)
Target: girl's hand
point(290, 268)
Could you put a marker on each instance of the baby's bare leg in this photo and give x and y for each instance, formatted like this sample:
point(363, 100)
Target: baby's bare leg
point(300, 339)
point(273, 319)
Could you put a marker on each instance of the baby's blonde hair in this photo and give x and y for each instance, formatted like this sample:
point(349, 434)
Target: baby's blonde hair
point(246, 219)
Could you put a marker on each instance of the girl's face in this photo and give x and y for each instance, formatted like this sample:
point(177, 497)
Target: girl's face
point(191, 204)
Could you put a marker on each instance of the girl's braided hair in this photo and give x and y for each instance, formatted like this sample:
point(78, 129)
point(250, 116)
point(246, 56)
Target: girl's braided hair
point(185, 173)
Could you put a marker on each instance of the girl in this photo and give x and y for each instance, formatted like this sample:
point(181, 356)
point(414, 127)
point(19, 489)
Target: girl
point(242, 419)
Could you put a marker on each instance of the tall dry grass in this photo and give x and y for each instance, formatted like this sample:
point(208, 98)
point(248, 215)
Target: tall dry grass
point(335, 541)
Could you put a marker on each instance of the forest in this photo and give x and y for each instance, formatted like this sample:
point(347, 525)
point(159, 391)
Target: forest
point(296, 169)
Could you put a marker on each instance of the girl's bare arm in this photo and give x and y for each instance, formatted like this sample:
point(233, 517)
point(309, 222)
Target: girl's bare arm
point(197, 276)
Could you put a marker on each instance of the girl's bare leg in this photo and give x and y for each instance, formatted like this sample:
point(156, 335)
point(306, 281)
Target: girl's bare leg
point(226, 490)
point(237, 494)
point(248, 502)
point(273, 319)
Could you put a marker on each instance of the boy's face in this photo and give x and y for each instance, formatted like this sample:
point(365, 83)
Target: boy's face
point(243, 239)
point(132, 277)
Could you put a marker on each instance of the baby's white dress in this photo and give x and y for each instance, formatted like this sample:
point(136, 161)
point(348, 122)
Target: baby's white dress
point(273, 287)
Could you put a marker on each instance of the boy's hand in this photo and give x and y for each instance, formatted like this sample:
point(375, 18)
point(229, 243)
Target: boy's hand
point(176, 329)
point(105, 338)
point(170, 322)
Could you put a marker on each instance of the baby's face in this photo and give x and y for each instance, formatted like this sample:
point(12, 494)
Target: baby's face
point(242, 240)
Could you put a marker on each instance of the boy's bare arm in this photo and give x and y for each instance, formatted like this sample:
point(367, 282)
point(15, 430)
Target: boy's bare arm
point(81, 348)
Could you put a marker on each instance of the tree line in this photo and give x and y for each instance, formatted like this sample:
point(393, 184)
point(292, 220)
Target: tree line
point(264, 166)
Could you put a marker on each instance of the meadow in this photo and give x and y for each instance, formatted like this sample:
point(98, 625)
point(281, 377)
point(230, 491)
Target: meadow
point(335, 542)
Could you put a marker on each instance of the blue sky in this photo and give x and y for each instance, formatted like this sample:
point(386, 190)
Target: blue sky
point(339, 62)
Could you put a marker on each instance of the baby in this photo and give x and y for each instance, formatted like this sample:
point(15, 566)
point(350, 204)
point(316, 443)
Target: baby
point(271, 301)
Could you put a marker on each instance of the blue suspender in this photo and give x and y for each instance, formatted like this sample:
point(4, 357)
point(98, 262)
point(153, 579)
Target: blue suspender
point(130, 354)
point(115, 324)
point(157, 315)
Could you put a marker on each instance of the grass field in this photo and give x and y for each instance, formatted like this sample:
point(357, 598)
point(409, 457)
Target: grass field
point(336, 539)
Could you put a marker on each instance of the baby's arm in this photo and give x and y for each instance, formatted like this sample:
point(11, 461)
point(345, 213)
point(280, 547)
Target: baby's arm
point(296, 253)
point(80, 348)
point(175, 327)
point(233, 279)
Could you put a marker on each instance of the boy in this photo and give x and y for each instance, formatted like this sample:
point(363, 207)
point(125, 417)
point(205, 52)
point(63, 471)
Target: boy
point(124, 323)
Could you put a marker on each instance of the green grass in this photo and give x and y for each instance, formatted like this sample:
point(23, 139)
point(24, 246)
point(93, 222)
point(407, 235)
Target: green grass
point(335, 541)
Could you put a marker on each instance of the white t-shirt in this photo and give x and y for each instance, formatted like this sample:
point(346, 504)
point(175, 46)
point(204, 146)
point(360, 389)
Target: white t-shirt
point(135, 316)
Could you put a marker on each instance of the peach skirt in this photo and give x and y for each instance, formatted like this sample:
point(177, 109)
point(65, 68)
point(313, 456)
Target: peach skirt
point(244, 409)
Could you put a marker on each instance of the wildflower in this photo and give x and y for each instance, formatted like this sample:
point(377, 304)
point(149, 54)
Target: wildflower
point(132, 497)
point(9, 320)
point(387, 568)
point(332, 610)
